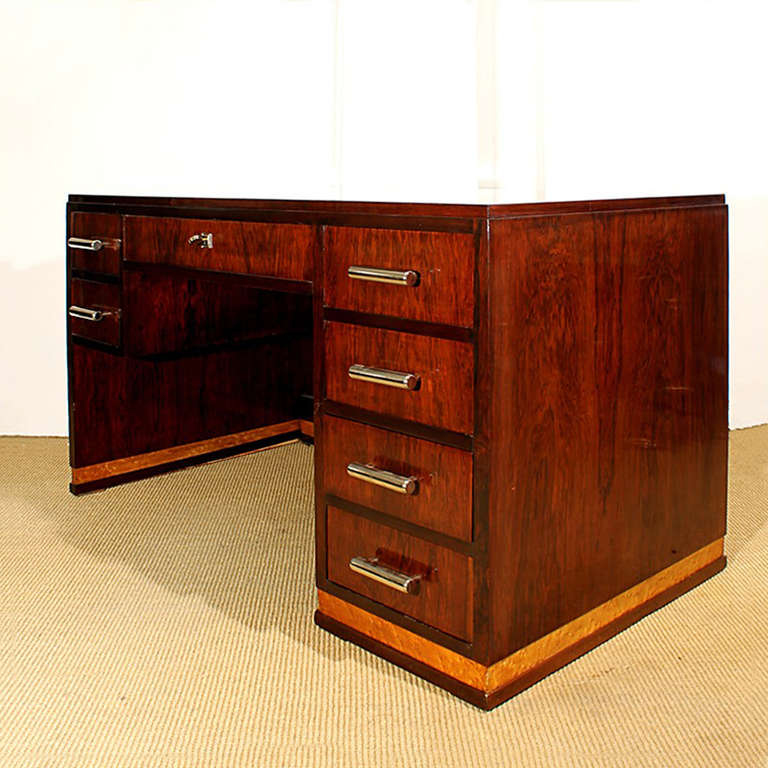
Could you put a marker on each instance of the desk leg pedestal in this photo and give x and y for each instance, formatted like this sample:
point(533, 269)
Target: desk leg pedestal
point(488, 686)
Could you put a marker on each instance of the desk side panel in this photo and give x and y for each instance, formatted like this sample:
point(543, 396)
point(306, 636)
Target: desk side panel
point(608, 408)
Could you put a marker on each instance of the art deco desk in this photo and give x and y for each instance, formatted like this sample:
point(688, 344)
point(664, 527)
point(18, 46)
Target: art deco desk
point(519, 411)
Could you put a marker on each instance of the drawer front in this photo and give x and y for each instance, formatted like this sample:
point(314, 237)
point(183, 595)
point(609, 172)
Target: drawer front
point(442, 370)
point(273, 250)
point(104, 227)
point(444, 596)
point(441, 266)
point(431, 487)
point(100, 301)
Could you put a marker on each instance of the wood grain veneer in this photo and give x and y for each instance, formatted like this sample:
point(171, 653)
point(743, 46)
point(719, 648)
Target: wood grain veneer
point(443, 500)
point(443, 261)
point(445, 597)
point(445, 369)
point(278, 250)
point(97, 226)
point(105, 297)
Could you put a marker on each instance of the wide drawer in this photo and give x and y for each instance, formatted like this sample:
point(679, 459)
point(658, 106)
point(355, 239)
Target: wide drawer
point(441, 579)
point(415, 480)
point(94, 311)
point(273, 250)
point(426, 276)
point(95, 242)
point(437, 375)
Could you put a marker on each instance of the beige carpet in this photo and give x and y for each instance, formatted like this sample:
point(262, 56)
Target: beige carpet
point(169, 623)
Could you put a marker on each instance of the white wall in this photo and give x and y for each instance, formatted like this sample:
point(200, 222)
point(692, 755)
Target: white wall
point(405, 99)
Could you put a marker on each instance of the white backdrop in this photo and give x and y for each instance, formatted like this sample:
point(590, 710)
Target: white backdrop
point(366, 99)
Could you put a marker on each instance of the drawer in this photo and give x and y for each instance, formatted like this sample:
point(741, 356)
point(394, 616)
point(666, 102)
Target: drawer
point(433, 280)
point(94, 311)
point(273, 250)
point(415, 480)
point(441, 586)
point(95, 243)
point(441, 374)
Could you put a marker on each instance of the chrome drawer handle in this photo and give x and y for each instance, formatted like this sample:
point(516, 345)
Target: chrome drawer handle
point(203, 240)
point(372, 569)
point(84, 244)
point(392, 276)
point(92, 315)
point(383, 478)
point(396, 379)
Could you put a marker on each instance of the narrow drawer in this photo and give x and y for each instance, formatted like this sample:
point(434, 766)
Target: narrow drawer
point(94, 311)
point(415, 480)
point(273, 250)
point(436, 386)
point(95, 243)
point(427, 276)
point(441, 586)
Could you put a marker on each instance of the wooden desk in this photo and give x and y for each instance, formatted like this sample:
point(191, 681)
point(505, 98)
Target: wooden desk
point(519, 411)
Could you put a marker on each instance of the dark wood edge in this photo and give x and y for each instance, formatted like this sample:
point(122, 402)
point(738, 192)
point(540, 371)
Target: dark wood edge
point(393, 424)
point(492, 699)
point(94, 277)
point(428, 222)
point(652, 207)
point(362, 207)
point(448, 683)
point(267, 282)
point(172, 466)
point(427, 534)
point(415, 626)
point(450, 332)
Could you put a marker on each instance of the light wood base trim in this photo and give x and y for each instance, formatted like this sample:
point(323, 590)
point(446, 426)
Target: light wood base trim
point(545, 654)
point(130, 464)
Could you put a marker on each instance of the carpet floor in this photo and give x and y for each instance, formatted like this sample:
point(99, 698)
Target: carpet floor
point(169, 623)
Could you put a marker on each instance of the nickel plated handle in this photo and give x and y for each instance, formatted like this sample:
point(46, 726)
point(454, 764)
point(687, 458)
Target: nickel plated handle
point(407, 277)
point(397, 379)
point(383, 478)
point(84, 313)
point(372, 569)
point(85, 244)
point(203, 240)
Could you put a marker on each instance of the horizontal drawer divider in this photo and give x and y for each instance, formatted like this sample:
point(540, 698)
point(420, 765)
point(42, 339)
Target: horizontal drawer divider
point(450, 332)
point(393, 424)
point(395, 617)
point(441, 539)
point(257, 281)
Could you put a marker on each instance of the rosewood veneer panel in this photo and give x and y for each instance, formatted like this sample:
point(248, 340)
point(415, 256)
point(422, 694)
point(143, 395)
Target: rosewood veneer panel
point(609, 407)
point(97, 226)
point(443, 500)
point(444, 262)
point(276, 250)
point(445, 369)
point(445, 597)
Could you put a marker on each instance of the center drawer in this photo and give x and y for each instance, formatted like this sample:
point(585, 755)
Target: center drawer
point(440, 589)
point(405, 375)
point(274, 250)
point(415, 480)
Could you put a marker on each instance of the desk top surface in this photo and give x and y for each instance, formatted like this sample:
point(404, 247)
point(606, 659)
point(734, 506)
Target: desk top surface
point(232, 206)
